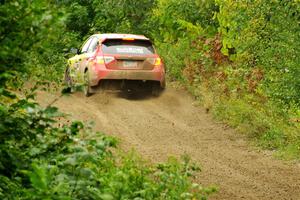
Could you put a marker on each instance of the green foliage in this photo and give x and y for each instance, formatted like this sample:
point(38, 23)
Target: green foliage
point(28, 20)
point(265, 34)
point(33, 39)
point(41, 155)
point(173, 19)
point(174, 57)
point(255, 89)
point(79, 17)
point(178, 26)
point(121, 16)
point(110, 16)
point(241, 59)
point(42, 159)
point(265, 123)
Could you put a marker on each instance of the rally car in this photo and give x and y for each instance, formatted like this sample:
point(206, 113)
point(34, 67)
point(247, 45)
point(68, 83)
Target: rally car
point(122, 58)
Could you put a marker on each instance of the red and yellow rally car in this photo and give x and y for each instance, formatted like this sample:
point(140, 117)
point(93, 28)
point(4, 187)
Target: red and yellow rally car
point(122, 57)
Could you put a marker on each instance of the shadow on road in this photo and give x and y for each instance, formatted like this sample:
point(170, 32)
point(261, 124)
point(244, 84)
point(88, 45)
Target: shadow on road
point(136, 95)
point(131, 90)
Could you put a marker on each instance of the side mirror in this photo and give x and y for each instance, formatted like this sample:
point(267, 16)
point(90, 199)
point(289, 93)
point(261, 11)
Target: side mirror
point(74, 51)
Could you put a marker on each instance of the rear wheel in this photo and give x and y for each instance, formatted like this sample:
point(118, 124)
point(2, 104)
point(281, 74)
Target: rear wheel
point(163, 84)
point(87, 88)
point(68, 80)
point(156, 89)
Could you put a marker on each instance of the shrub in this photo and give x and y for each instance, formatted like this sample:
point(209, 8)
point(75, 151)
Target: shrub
point(43, 159)
point(263, 34)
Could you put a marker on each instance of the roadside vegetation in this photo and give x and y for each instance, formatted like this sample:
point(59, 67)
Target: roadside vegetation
point(42, 154)
point(239, 58)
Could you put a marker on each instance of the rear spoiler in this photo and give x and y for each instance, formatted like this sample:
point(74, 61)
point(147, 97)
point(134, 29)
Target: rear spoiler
point(102, 40)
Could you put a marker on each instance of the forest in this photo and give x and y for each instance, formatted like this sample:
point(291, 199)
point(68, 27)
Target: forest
point(239, 59)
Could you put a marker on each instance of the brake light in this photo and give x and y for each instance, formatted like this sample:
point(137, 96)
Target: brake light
point(157, 62)
point(104, 60)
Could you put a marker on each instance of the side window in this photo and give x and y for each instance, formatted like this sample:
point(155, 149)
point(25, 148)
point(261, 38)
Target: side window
point(93, 45)
point(86, 45)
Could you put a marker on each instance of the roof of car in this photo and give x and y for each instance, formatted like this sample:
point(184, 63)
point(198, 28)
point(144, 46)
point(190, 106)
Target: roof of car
point(120, 36)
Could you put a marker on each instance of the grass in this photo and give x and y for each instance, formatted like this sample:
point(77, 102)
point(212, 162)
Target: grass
point(265, 123)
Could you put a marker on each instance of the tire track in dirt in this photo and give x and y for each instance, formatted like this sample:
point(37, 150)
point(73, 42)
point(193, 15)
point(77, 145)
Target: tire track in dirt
point(171, 125)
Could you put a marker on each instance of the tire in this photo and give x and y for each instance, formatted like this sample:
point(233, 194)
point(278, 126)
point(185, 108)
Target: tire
point(156, 89)
point(163, 84)
point(68, 80)
point(86, 87)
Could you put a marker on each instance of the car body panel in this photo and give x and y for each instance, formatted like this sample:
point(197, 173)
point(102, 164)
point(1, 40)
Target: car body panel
point(77, 65)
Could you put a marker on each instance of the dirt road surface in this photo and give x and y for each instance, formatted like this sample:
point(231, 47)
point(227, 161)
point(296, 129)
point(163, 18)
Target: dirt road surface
point(171, 125)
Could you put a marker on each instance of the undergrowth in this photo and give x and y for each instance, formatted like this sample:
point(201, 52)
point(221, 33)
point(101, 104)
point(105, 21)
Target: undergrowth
point(241, 60)
point(43, 156)
point(235, 96)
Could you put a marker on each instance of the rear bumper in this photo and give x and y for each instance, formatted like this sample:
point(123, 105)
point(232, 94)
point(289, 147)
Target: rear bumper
point(157, 74)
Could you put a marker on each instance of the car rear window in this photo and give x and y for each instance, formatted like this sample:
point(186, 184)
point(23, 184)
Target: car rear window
point(135, 47)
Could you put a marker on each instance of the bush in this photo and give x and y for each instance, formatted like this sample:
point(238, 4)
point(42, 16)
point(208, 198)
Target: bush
point(263, 34)
point(42, 155)
point(240, 58)
point(43, 158)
